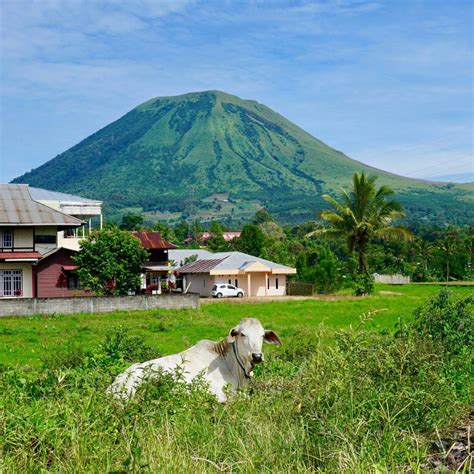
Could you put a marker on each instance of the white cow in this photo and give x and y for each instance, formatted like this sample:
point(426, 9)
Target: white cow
point(228, 362)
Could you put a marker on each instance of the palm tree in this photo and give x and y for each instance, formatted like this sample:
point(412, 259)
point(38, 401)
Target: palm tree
point(364, 213)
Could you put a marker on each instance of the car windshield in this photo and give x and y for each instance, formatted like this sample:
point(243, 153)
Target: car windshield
point(214, 287)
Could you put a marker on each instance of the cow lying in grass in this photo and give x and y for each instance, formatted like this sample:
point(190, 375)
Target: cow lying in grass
point(228, 362)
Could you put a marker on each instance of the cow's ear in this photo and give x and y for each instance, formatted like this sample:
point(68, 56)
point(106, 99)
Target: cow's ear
point(234, 332)
point(272, 338)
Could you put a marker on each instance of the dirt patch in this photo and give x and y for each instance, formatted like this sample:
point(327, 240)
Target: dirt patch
point(396, 293)
point(453, 453)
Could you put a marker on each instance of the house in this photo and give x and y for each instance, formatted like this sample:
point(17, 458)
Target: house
point(256, 276)
point(55, 274)
point(87, 210)
point(205, 236)
point(159, 268)
point(28, 231)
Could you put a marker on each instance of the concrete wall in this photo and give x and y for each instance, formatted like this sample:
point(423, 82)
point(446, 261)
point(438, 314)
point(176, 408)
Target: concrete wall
point(394, 279)
point(92, 304)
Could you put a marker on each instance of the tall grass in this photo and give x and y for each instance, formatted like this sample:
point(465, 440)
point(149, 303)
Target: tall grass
point(370, 402)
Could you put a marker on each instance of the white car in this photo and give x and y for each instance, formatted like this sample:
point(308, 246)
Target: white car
point(222, 290)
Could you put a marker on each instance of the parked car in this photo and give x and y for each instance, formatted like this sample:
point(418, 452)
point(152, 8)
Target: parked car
point(222, 290)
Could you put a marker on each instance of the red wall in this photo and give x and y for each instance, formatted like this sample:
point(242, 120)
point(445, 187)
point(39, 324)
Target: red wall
point(47, 275)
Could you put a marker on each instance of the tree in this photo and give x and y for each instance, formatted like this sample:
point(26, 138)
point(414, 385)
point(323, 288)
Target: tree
point(449, 245)
point(261, 216)
point(216, 241)
point(132, 222)
point(110, 262)
point(251, 240)
point(364, 213)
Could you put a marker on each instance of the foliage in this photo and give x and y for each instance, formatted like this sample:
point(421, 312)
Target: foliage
point(364, 213)
point(448, 321)
point(363, 284)
point(110, 262)
point(320, 267)
point(365, 401)
point(251, 240)
point(216, 242)
point(132, 222)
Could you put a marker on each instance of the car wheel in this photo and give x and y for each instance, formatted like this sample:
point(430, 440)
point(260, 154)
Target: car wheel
point(240, 294)
point(219, 295)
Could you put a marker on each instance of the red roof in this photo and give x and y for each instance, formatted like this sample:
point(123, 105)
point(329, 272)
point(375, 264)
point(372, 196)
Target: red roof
point(19, 255)
point(68, 268)
point(153, 240)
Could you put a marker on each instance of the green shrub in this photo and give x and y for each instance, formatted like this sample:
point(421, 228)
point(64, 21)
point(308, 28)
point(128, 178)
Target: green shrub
point(363, 284)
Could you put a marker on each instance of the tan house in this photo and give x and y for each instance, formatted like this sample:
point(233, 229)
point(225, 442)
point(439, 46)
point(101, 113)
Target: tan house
point(256, 276)
point(28, 230)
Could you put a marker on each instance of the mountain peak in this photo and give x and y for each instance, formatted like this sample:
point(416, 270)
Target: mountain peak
point(172, 156)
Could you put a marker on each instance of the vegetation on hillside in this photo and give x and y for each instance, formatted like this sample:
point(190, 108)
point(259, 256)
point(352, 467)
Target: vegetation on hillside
point(215, 155)
point(369, 401)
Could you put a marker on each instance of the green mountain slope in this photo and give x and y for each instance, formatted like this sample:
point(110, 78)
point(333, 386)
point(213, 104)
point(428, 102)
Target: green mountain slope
point(221, 156)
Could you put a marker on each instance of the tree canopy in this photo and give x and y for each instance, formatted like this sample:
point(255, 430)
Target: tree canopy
point(365, 212)
point(110, 262)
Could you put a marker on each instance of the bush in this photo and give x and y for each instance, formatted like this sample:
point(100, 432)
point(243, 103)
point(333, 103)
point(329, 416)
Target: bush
point(363, 284)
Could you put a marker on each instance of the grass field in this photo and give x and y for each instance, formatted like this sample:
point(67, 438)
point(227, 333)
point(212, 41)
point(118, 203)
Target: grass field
point(332, 399)
point(27, 341)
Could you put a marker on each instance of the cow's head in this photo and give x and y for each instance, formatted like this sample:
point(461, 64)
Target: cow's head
point(249, 335)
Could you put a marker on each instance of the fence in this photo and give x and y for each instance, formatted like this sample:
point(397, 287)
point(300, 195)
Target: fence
point(295, 288)
point(95, 304)
point(395, 279)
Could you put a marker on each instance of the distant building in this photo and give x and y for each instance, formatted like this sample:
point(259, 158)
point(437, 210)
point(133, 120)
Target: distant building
point(205, 236)
point(256, 276)
point(159, 268)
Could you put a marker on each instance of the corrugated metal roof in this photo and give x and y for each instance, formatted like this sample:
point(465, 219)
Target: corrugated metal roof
point(153, 240)
point(231, 260)
point(18, 208)
point(19, 255)
point(180, 255)
point(46, 195)
point(200, 266)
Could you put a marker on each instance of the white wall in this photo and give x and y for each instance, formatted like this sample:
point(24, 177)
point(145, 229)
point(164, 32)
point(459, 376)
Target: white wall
point(27, 276)
point(200, 283)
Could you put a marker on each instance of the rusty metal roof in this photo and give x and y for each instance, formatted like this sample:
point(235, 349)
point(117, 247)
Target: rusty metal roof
point(153, 240)
point(17, 207)
point(200, 266)
point(19, 255)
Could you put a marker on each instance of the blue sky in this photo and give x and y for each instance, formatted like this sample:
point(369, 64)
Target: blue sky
point(387, 82)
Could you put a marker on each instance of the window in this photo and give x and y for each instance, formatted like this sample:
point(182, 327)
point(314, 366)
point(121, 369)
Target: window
point(268, 283)
point(45, 239)
point(6, 236)
point(230, 287)
point(276, 283)
point(73, 282)
point(11, 283)
point(230, 281)
point(236, 283)
point(204, 283)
